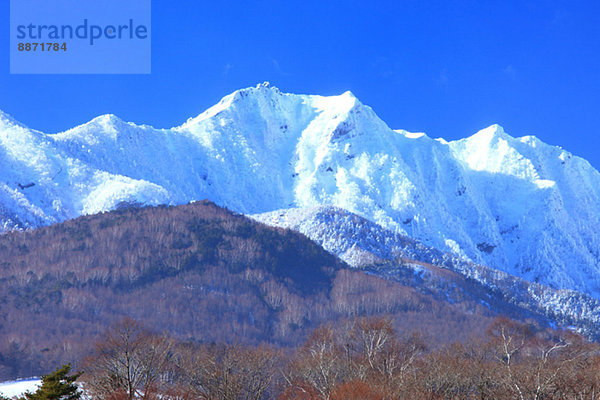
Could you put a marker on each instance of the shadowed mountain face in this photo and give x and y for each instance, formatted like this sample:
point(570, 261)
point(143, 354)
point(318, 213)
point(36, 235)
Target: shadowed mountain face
point(515, 204)
point(202, 273)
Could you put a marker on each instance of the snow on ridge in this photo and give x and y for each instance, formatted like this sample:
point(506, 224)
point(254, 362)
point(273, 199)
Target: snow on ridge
point(516, 204)
point(411, 135)
point(364, 244)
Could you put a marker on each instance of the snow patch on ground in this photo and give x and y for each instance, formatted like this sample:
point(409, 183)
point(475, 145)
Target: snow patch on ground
point(18, 388)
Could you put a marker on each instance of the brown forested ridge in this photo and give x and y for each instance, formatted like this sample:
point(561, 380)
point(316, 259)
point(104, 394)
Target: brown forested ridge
point(200, 273)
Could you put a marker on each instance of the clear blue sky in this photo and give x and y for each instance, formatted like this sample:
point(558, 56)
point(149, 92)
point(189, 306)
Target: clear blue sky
point(448, 68)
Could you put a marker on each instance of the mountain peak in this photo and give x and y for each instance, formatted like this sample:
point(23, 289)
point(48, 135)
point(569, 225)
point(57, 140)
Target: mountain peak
point(236, 98)
point(492, 132)
point(262, 89)
point(268, 99)
point(107, 119)
point(106, 125)
point(266, 85)
point(491, 139)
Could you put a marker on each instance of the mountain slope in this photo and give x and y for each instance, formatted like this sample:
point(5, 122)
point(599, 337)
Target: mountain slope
point(202, 274)
point(518, 205)
point(370, 247)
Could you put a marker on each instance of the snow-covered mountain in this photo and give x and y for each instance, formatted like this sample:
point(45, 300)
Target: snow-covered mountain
point(515, 204)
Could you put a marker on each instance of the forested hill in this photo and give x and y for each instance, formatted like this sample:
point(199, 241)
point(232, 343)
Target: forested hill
point(198, 272)
point(134, 247)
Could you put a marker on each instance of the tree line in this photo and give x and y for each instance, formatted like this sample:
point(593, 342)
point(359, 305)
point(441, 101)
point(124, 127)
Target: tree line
point(362, 359)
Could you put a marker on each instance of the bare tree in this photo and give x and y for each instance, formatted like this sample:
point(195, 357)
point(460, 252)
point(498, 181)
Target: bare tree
point(369, 338)
point(320, 363)
point(128, 362)
point(223, 372)
point(534, 365)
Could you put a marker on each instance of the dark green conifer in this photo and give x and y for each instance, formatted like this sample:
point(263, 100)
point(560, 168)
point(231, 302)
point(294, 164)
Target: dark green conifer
point(58, 385)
